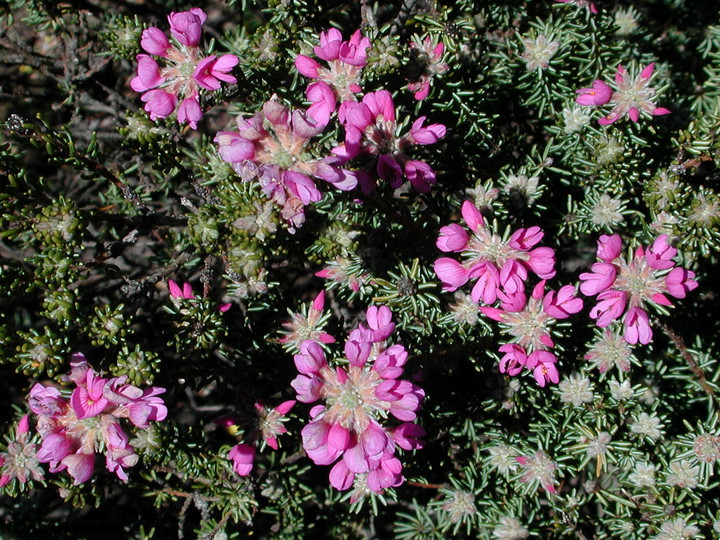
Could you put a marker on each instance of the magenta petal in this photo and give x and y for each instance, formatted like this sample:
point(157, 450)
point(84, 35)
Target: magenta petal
point(341, 478)
point(148, 73)
point(451, 272)
point(233, 148)
point(80, 466)
point(338, 437)
point(472, 216)
point(407, 436)
point(159, 103)
point(374, 440)
point(242, 456)
point(155, 41)
point(356, 459)
point(452, 238)
point(83, 406)
point(306, 66)
point(190, 111)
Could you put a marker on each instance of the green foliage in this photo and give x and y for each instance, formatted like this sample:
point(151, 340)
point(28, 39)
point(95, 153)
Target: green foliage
point(100, 207)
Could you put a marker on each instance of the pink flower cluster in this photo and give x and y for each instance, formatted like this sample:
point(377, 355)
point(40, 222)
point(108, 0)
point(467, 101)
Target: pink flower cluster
point(74, 429)
point(370, 126)
point(623, 288)
point(347, 427)
point(499, 266)
point(340, 79)
point(269, 427)
point(527, 321)
point(271, 146)
point(429, 55)
point(632, 96)
point(370, 133)
point(185, 71)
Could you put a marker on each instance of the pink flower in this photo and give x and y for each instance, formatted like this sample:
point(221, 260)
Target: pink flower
point(186, 26)
point(599, 94)
point(562, 304)
point(514, 359)
point(270, 147)
point(307, 325)
point(542, 261)
point(243, 457)
point(80, 466)
point(177, 292)
point(600, 279)
point(659, 255)
point(633, 284)
point(528, 321)
point(323, 102)
point(379, 320)
point(452, 238)
point(370, 133)
point(87, 400)
point(340, 80)
point(353, 431)
point(166, 86)
point(271, 421)
point(409, 436)
point(679, 282)
point(177, 295)
point(609, 247)
point(631, 97)
point(488, 282)
point(426, 135)
point(451, 273)
point(637, 326)
point(546, 371)
point(73, 430)
point(499, 265)
point(610, 306)
point(155, 42)
point(211, 70)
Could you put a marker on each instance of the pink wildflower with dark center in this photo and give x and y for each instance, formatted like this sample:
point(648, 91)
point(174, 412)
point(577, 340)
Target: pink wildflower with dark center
point(348, 427)
point(429, 55)
point(632, 96)
point(272, 148)
point(307, 325)
point(528, 322)
point(340, 79)
point(185, 72)
point(370, 133)
point(624, 288)
point(74, 429)
point(499, 265)
point(19, 461)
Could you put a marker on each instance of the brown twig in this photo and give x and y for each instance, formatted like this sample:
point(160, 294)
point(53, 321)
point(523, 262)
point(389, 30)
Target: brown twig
point(680, 344)
point(425, 486)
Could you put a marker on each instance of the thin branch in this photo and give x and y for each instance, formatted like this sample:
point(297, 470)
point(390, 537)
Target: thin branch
point(680, 345)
